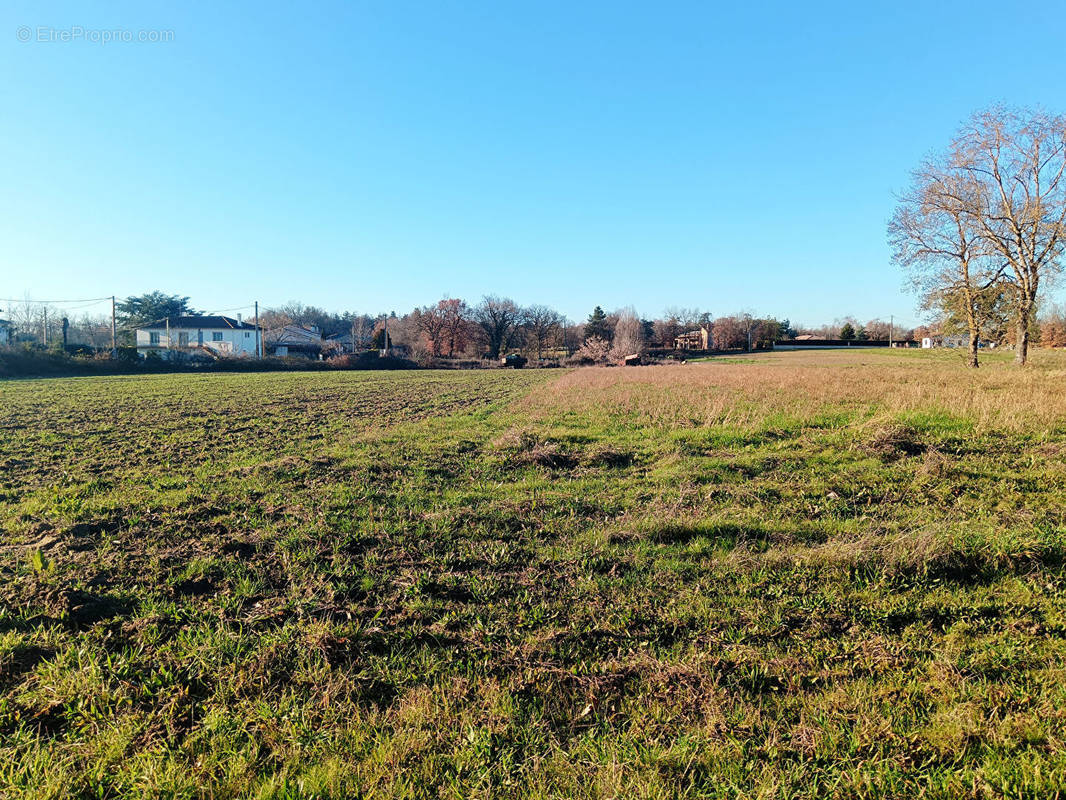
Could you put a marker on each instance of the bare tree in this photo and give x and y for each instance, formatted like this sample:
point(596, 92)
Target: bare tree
point(361, 330)
point(430, 322)
point(628, 334)
point(1014, 162)
point(271, 319)
point(541, 324)
point(666, 331)
point(1053, 326)
point(94, 331)
point(572, 335)
point(33, 320)
point(936, 236)
point(879, 330)
point(687, 317)
point(498, 318)
point(456, 323)
point(675, 321)
point(745, 331)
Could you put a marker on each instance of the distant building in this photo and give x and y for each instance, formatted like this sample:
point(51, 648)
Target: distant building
point(347, 343)
point(699, 339)
point(294, 340)
point(342, 342)
point(209, 336)
point(7, 333)
point(945, 341)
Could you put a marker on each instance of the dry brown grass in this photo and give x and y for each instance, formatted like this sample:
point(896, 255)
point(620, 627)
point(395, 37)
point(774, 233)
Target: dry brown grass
point(805, 386)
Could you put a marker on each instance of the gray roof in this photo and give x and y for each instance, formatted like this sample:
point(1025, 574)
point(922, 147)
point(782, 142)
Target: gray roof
point(200, 323)
point(293, 334)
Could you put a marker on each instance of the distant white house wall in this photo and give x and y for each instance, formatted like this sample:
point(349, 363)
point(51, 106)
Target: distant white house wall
point(5, 333)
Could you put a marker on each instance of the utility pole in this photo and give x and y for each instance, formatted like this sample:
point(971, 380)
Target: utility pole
point(44, 327)
point(114, 331)
point(258, 338)
point(385, 338)
point(891, 325)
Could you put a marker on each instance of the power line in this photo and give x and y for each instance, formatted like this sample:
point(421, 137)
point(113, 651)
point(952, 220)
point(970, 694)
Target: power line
point(87, 305)
point(93, 301)
point(224, 310)
point(52, 302)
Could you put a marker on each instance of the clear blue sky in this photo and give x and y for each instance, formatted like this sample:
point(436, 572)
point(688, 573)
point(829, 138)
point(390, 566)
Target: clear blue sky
point(377, 155)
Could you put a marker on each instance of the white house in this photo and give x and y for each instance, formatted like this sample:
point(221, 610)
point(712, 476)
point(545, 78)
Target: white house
point(7, 332)
point(213, 336)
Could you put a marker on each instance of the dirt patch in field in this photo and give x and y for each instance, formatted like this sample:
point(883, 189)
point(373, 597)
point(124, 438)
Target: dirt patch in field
point(893, 442)
point(21, 660)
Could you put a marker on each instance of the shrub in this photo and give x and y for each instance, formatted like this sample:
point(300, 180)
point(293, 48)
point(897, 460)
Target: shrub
point(594, 351)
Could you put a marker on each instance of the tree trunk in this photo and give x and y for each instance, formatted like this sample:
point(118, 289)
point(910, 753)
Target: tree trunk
point(973, 349)
point(1021, 344)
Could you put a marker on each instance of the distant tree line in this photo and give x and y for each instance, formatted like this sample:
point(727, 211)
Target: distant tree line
point(452, 328)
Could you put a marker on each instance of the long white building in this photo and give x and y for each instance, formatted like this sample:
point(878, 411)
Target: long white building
point(221, 336)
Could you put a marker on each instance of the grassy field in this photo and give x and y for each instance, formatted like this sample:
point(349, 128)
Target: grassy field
point(832, 574)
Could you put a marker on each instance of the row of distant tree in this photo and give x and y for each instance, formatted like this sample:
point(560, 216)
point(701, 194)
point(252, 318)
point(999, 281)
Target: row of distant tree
point(495, 326)
point(454, 328)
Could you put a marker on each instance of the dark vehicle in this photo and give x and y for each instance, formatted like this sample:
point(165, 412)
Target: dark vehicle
point(514, 360)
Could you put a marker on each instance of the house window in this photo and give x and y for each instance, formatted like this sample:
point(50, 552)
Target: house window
point(247, 335)
point(153, 337)
point(216, 336)
point(183, 339)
